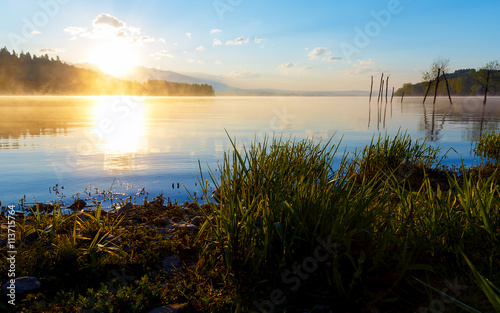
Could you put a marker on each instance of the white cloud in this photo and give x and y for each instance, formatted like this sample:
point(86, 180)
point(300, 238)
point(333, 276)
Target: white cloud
point(122, 34)
point(242, 74)
point(147, 39)
point(50, 50)
point(217, 42)
point(218, 62)
point(164, 53)
point(213, 31)
point(189, 35)
point(318, 52)
point(238, 41)
point(162, 40)
point(134, 30)
point(365, 63)
point(290, 67)
point(35, 32)
point(72, 30)
point(258, 40)
point(287, 66)
point(361, 67)
point(332, 58)
point(107, 20)
point(200, 48)
point(106, 26)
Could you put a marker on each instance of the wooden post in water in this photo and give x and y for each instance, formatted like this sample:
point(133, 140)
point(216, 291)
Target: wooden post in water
point(385, 110)
point(371, 90)
point(386, 87)
point(402, 96)
point(381, 99)
point(392, 97)
point(380, 87)
point(369, 112)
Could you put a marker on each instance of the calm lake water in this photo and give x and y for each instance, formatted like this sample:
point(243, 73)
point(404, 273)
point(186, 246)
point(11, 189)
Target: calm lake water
point(58, 148)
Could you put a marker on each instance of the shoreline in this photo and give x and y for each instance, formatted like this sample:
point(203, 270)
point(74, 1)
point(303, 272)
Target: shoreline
point(390, 223)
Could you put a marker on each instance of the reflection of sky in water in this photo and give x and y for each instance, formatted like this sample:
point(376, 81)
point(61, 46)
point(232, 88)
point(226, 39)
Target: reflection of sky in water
point(127, 143)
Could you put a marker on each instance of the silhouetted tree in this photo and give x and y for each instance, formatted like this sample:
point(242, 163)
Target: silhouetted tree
point(440, 66)
point(487, 78)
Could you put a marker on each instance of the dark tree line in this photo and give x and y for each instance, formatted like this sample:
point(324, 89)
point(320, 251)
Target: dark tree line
point(464, 82)
point(24, 74)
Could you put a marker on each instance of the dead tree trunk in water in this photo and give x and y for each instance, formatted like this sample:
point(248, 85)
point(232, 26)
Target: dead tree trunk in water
point(385, 111)
point(447, 87)
point(392, 97)
point(381, 99)
point(428, 89)
point(371, 90)
point(486, 87)
point(386, 87)
point(437, 85)
point(402, 97)
point(380, 87)
point(482, 119)
point(369, 113)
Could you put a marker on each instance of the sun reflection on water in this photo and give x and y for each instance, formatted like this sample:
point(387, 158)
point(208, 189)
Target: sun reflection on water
point(120, 126)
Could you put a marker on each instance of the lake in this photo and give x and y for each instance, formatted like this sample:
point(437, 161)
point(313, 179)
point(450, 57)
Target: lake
point(60, 148)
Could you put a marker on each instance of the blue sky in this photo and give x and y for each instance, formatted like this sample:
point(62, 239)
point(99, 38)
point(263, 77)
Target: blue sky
point(295, 45)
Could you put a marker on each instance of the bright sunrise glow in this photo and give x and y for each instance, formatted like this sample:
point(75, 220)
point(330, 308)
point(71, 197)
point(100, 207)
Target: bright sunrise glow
point(120, 125)
point(115, 58)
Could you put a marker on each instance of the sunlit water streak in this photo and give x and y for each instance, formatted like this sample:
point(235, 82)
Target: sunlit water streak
point(125, 144)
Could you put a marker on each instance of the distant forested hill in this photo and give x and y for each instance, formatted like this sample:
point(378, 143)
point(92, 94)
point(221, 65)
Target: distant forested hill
point(31, 75)
point(461, 84)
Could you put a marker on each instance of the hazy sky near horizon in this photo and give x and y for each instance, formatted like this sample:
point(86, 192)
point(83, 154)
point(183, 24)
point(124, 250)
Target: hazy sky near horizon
point(293, 45)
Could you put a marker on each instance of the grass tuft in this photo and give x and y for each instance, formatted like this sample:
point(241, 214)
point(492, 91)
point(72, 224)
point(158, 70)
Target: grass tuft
point(488, 146)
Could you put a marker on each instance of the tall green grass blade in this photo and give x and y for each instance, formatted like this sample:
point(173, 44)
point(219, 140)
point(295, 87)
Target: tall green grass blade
point(485, 285)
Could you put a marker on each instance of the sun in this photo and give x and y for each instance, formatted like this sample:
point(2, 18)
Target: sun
point(114, 58)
